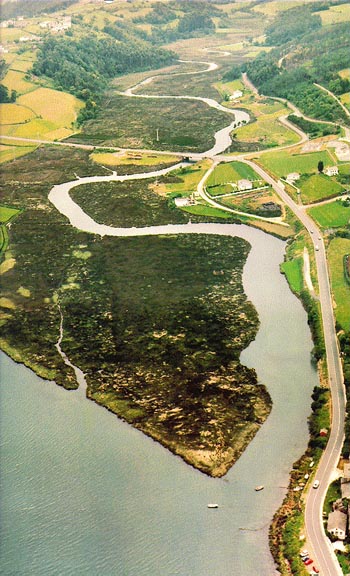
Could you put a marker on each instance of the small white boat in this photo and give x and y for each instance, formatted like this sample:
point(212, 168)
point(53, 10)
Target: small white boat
point(213, 505)
point(258, 488)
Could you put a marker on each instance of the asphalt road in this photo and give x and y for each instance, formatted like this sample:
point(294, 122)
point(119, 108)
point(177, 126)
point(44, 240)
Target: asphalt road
point(317, 541)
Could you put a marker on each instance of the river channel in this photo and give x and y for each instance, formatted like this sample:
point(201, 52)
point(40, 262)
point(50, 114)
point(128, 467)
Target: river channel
point(83, 493)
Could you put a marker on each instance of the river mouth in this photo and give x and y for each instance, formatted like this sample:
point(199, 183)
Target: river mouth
point(148, 509)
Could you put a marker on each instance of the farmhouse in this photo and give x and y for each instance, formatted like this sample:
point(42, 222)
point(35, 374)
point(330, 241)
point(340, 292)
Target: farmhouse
point(189, 201)
point(292, 177)
point(336, 524)
point(236, 94)
point(244, 184)
point(331, 171)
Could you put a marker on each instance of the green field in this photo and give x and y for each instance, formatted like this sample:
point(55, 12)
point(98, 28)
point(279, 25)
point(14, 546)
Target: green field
point(318, 187)
point(231, 172)
point(293, 269)
point(333, 215)
point(284, 162)
point(6, 214)
point(338, 248)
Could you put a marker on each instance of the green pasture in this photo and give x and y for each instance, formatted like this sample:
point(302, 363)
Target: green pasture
point(337, 249)
point(293, 270)
point(333, 215)
point(6, 214)
point(205, 210)
point(283, 162)
point(231, 172)
point(187, 179)
point(318, 187)
point(344, 168)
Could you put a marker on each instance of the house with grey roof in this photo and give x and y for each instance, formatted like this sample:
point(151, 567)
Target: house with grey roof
point(337, 524)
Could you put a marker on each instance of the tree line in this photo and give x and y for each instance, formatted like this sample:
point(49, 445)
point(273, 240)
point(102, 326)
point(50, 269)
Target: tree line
point(83, 66)
point(291, 69)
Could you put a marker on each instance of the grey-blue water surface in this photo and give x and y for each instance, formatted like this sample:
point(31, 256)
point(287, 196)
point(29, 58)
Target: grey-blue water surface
point(83, 493)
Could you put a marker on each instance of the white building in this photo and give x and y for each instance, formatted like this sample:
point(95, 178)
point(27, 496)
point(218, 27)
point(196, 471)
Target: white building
point(236, 94)
point(331, 171)
point(336, 524)
point(188, 201)
point(292, 177)
point(244, 184)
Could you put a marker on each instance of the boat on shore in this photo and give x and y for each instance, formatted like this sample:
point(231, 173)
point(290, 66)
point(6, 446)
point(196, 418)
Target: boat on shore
point(258, 488)
point(213, 505)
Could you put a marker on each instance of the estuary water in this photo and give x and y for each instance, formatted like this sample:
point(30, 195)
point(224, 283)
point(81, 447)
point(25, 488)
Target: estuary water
point(83, 493)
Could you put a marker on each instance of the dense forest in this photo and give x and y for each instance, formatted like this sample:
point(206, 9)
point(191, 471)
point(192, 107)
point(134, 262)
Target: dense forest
point(291, 69)
point(83, 66)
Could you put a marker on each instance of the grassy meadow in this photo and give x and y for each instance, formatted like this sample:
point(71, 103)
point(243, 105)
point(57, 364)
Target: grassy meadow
point(293, 269)
point(15, 114)
point(318, 187)
point(284, 162)
point(118, 159)
point(337, 249)
point(231, 172)
point(333, 215)
point(57, 107)
point(39, 112)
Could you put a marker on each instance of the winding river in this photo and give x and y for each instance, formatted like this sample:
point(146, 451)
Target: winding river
point(83, 493)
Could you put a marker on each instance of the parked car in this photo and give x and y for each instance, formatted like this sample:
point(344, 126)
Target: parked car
point(308, 562)
point(316, 484)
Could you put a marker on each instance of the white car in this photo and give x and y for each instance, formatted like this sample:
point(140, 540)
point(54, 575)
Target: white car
point(316, 484)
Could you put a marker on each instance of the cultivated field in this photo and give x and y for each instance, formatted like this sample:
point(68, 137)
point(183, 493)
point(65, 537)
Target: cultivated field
point(333, 215)
point(231, 172)
point(57, 107)
point(318, 187)
point(6, 213)
point(131, 158)
point(283, 162)
point(15, 114)
point(15, 81)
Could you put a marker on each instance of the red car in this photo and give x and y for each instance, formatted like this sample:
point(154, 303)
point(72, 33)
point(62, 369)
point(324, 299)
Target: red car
point(308, 562)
